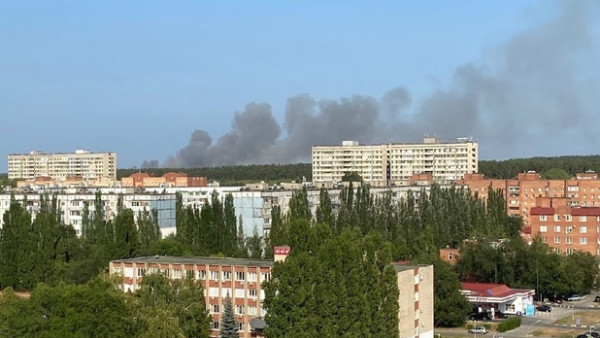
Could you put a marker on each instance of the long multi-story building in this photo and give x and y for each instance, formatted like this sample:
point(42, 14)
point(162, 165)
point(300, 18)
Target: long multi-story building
point(61, 166)
point(241, 280)
point(521, 193)
point(395, 163)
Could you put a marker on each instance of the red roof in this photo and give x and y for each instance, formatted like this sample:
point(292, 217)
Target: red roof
point(490, 290)
point(586, 211)
point(541, 211)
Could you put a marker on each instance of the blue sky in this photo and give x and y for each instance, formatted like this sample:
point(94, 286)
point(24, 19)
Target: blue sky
point(139, 77)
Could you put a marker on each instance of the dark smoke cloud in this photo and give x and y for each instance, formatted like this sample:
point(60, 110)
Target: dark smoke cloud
point(537, 95)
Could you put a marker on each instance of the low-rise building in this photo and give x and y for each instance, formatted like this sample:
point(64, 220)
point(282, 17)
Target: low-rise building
point(498, 297)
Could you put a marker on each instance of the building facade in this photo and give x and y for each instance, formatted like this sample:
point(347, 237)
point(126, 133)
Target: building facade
point(394, 163)
point(521, 193)
point(564, 227)
point(415, 310)
point(72, 203)
point(237, 278)
point(171, 179)
point(61, 166)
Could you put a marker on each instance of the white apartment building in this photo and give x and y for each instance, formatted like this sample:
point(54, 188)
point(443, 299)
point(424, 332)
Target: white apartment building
point(72, 202)
point(395, 163)
point(60, 166)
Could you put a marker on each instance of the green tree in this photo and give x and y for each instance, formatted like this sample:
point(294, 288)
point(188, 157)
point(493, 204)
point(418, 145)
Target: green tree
point(451, 307)
point(229, 326)
point(556, 174)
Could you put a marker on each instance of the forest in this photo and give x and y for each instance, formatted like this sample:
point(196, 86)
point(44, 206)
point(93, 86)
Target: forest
point(345, 250)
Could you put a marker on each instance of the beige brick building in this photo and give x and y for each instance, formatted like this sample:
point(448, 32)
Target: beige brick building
point(394, 163)
point(61, 166)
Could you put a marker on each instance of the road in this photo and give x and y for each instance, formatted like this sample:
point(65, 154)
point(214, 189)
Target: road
point(541, 319)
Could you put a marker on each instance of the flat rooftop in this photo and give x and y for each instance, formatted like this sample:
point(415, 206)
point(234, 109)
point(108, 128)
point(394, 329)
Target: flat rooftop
point(198, 260)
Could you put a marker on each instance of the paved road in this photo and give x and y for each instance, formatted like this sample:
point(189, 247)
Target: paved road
point(541, 319)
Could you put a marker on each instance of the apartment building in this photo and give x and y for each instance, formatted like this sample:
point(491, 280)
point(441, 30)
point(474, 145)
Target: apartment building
point(395, 163)
point(72, 202)
point(564, 227)
point(61, 166)
point(521, 193)
point(241, 279)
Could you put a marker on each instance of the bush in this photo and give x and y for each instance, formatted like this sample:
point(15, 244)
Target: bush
point(509, 324)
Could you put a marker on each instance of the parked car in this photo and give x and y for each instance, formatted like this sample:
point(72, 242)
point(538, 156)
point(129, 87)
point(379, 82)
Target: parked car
point(478, 329)
point(499, 314)
point(480, 316)
point(589, 335)
point(544, 308)
point(574, 297)
point(597, 299)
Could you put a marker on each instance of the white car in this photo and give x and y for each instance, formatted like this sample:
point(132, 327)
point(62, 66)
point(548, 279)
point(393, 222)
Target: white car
point(574, 297)
point(478, 329)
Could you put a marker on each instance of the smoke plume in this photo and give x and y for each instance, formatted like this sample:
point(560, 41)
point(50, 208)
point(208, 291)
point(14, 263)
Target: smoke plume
point(537, 95)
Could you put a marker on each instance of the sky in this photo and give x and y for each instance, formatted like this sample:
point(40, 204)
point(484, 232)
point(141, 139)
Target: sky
point(209, 83)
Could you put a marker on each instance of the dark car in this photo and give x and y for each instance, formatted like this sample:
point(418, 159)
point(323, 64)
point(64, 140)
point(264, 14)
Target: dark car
point(589, 335)
point(544, 308)
point(597, 299)
point(480, 316)
point(499, 314)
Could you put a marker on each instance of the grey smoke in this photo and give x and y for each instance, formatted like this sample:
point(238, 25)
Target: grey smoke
point(536, 95)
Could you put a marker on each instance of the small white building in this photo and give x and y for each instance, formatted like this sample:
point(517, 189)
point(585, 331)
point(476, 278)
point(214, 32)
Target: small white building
point(498, 297)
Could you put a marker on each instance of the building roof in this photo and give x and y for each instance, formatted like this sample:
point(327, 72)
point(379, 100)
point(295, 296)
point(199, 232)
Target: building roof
point(198, 260)
point(405, 265)
point(586, 211)
point(490, 290)
point(541, 211)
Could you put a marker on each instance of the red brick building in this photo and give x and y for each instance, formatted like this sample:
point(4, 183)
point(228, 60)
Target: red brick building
point(564, 227)
point(521, 193)
point(240, 279)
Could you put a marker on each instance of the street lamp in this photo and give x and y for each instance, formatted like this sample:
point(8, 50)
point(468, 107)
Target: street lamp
point(530, 326)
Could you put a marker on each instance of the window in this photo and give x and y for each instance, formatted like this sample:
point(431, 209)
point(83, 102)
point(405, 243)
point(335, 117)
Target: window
point(252, 293)
point(117, 270)
point(201, 274)
point(569, 240)
point(189, 274)
point(141, 272)
point(262, 295)
point(214, 275)
point(569, 229)
point(556, 240)
point(544, 239)
point(557, 218)
point(557, 228)
point(568, 218)
point(239, 275)
point(543, 218)
point(543, 228)
point(176, 273)
point(240, 326)
point(226, 275)
point(417, 296)
point(239, 293)
point(252, 310)
point(252, 276)
point(582, 218)
point(165, 272)
point(214, 325)
point(583, 240)
point(264, 276)
point(239, 309)
point(215, 308)
point(583, 229)
point(213, 292)
point(570, 251)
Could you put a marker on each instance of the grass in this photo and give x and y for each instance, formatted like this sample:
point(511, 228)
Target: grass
point(585, 318)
